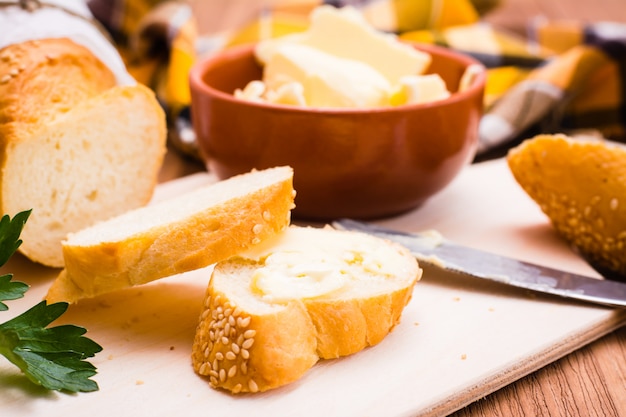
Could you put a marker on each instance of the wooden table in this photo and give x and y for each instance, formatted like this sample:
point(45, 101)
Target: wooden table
point(588, 382)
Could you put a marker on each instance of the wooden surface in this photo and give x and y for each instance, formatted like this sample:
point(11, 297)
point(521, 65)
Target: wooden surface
point(458, 340)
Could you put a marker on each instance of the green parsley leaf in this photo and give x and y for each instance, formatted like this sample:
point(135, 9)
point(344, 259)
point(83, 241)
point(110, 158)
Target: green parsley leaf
point(53, 357)
point(9, 242)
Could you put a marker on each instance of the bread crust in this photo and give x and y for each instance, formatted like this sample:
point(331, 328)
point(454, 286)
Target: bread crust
point(207, 236)
point(581, 186)
point(41, 79)
point(289, 337)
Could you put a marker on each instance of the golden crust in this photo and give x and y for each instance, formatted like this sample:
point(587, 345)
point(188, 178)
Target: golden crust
point(288, 338)
point(41, 79)
point(208, 236)
point(581, 187)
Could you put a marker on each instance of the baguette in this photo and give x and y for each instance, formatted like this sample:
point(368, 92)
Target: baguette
point(76, 148)
point(181, 234)
point(581, 186)
point(307, 294)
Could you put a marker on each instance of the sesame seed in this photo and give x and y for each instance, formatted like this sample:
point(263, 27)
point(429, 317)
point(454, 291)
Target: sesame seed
point(614, 204)
point(219, 356)
point(235, 348)
point(213, 381)
point(222, 375)
point(224, 340)
point(267, 216)
point(232, 371)
point(204, 368)
point(230, 356)
point(237, 389)
point(249, 334)
point(247, 344)
point(253, 386)
point(5, 79)
point(256, 241)
point(232, 321)
point(243, 322)
point(258, 228)
point(244, 353)
point(244, 368)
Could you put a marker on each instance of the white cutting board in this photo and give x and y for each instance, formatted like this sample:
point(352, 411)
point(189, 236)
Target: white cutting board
point(459, 339)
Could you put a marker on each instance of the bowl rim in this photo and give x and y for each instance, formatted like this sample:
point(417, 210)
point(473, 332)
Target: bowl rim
point(196, 82)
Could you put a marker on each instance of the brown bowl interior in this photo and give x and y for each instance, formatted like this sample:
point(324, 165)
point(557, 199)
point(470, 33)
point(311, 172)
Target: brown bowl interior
point(347, 163)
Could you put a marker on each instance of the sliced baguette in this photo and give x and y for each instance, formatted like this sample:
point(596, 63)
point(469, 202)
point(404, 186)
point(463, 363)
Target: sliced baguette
point(581, 186)
point(76, 149)
point(184, 233)
point(307, 294)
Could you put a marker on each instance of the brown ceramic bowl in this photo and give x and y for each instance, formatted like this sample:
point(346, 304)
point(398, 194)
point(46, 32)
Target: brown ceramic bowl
point(347, 163)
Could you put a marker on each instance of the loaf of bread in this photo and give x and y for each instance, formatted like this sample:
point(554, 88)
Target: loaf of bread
point(306, 294)
point(75, 147)
point(173, 236)
point(581, 186)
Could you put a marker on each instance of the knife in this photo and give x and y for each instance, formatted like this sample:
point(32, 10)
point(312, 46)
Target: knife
point(431, 248)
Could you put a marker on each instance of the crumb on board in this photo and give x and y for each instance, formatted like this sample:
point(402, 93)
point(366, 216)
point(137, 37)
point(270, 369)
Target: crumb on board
point(463, 356)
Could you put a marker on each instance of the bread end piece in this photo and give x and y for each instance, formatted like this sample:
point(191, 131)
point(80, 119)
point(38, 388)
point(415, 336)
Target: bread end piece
point(74, 147)
point(187, 232)
point(581, 187)
point(252, 340)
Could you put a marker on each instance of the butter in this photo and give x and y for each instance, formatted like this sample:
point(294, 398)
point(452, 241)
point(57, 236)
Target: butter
point(326, 80)
point(303, 263)
point(345, 33)
point(342, 61)
point(416, 89)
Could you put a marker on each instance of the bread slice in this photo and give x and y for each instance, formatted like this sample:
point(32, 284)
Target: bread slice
point(75, 148)
point(581, 186)
point(307, 294)
point(181, 234)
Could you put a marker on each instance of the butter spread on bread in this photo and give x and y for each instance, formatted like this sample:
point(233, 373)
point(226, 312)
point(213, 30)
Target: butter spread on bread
point(581, 186)
point(187, 232)
point(306, 294)
point(76, 148)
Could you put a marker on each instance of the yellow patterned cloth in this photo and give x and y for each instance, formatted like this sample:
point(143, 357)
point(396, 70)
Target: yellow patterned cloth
point(563, 78)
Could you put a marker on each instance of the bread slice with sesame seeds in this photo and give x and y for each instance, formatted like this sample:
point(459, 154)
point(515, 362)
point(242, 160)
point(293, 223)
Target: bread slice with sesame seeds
point(581, 186)
point(306, 294)
point(180, 234)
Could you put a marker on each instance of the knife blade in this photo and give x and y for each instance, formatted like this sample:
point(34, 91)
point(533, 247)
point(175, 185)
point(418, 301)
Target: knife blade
point(431, 248)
